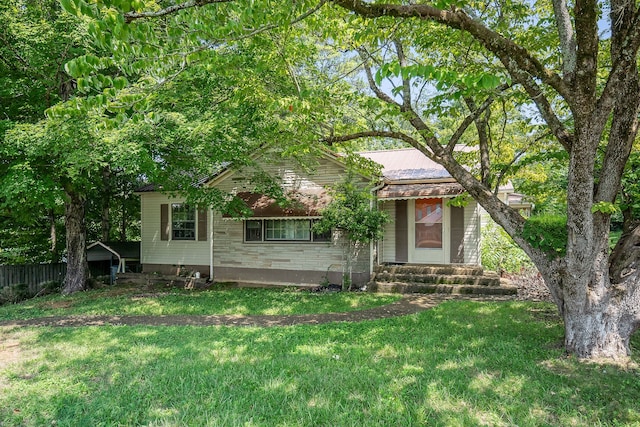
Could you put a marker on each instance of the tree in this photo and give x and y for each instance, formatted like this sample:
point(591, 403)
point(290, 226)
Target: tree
point(36, 39)
point(587, 95)
point(353, 216)
point(566, 82)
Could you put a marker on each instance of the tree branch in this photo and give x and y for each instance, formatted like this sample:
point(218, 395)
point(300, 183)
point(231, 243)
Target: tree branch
point(624, 127)
point(624, 63)
point(372, 84)
point(567, 39)
point(482, 125)
point(376, 134)
point(406, 82)
point(544, 107)
point(132, 16)
point(506, 50)
point(475, 114)
point(586, 18)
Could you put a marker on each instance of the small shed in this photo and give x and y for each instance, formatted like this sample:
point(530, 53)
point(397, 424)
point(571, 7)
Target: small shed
point(104, 255)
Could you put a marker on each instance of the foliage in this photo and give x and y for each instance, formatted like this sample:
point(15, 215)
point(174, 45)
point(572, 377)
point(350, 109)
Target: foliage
point(354, 218)
point(36, 38)
point(499, 252)
point(629, 198)
point(352, 210)
point(547, 233)
point(19, 292)
point(472, 363)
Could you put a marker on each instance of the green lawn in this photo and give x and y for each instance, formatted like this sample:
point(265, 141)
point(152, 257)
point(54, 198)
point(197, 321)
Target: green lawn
point(165, 300)
point(460, 364)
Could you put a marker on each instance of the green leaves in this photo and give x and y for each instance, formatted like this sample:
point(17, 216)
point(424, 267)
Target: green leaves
point(442, 78)
point(606, 208)
point(547, 233)
point(351, 211)
point(79, 8)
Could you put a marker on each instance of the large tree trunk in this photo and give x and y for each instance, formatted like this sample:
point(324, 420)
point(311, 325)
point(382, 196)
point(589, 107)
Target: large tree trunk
point(77, 265)
point(105, 224)
point(123, 222)
point(53, 236)
point(600, 313)
point(599, 330)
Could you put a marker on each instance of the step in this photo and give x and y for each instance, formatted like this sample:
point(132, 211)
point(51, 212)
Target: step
point(436, 279)
point(449, 269)
point(424, 288)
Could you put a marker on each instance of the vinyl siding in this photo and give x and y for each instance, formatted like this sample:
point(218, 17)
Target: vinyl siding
point(389, 239)
point(472, 233)
point(230, 250)
point(153, 250)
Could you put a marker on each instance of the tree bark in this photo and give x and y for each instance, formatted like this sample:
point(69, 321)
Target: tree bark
point(105, 225)
point(77, 265)
point(123, 222)
point(53, 236)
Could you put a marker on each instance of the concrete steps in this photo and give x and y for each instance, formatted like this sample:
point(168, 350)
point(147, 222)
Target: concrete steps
point(439, 279)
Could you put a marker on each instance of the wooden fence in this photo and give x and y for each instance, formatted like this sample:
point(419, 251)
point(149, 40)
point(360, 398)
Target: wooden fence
point(32, 275)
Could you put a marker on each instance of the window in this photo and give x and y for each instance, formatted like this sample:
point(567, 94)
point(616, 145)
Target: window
point(276, 229)
point(253, 231)
point(282, 230)
point(428, 223)
point(321, 237)
point(183, 222)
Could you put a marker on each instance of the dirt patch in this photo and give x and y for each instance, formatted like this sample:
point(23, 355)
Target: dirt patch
point(57, 304)
point(409, 304)
point(531, 286)
point(13, 351)
point(10, 351)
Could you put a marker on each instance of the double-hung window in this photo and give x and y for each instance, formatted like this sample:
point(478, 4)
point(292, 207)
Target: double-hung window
point(183, 222)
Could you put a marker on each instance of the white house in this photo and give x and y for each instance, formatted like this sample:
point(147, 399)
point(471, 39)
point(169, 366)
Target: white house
point(277, 245)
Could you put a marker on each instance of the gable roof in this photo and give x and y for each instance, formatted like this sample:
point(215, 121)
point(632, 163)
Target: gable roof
point(407, 164)
point(128, 250)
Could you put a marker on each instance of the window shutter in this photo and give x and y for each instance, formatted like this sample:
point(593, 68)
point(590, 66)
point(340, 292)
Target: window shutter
point(402, 232)
point(164, 221)
point(202, 225)
point(457, 235)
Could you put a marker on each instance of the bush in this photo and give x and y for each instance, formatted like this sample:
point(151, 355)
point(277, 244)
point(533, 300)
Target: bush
point(500, 253)
point(547, 233)
point(13, 294)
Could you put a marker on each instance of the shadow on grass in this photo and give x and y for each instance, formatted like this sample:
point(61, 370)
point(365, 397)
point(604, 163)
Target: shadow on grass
point(461, 363)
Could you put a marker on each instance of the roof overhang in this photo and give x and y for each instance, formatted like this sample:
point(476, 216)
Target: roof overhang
point(305, 203)
point(418, 191)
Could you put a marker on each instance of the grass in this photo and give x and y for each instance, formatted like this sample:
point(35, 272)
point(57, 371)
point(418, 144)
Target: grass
point(460, 364)
point(167, 300)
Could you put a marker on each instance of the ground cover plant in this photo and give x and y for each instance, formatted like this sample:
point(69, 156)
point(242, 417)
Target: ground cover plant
point(165, 299)
point(461, 363)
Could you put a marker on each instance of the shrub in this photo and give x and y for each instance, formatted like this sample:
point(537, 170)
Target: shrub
point(547, 233)
point(13, 294)
point(500, 253)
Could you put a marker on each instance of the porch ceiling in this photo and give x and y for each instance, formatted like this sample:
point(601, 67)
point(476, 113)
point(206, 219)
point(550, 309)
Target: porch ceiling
point(415, 191)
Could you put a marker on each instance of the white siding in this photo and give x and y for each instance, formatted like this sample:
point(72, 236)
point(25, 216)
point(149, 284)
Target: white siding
point(324, 172)
point(472, 233)
point(389, 239)
point(230, 250)
point(171, 252)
